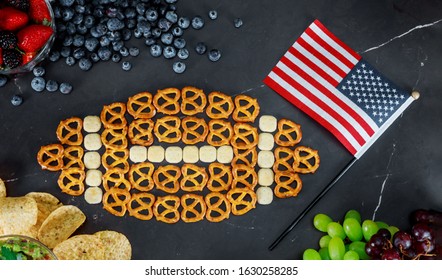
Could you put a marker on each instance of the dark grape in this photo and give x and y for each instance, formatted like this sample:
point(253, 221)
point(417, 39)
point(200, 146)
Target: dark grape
point(384, 233)
point(377, 240)
point(421, 232)
point(426, 216)
point(423, 247)
point(373, 251)
point(402, 240)
point(391, 254)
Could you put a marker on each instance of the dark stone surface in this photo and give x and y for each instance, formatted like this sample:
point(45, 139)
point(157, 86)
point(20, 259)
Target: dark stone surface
point(400, 172)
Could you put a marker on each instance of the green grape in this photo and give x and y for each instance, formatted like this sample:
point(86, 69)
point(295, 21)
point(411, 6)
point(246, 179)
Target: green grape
point(323, 252)
point(320, 221)
point(359, 248)
point(392, 230)
point(335, 229)
point(353, 214)
point(323, 241)
point(353, 229)
point(336, 248)
point(311, 254)
point(369, 228)
point(381, 224)
point(351, 255)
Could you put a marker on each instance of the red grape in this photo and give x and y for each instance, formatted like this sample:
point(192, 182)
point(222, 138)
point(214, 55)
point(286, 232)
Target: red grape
point(391, 254)
point(402, 240)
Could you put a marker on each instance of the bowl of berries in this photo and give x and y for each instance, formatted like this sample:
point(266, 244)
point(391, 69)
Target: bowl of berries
point(27, 33)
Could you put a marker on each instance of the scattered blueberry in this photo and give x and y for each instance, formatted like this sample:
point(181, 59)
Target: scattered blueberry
point(197, 22)
point(134, 51)
point(3, 80)
point(67, 3)
point(156, 50)
point(104, 53)
point(179, 67)
point(124, 51)
point(94, 57)
point(151, 15)
point(201, 48)
point(51, 86)
point(183, 53)
point(38, 84)
point(91, 44)
point(184, 22)
point(70, 61)
point(116, 57)
point(177, 31)
point(65, 88)
point(169, 52)
point(126, 65)
point(78, 53)
point(213, 14)
point(85, 64)
point(38, 71)
point(166, 38)
point(117, 45)
point(114, 24)
point(214, 55)
point(237, 22)
point(149, 42)
point(54, 56)
point(179, 43)
point(65, 52)
point(16, 100)
point(172, 16)
point(164, 25)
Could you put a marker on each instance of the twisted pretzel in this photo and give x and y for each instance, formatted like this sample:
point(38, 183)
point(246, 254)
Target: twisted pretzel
point(190, 97)
point(50, 157)
point(284, 181)
point(283, 160)
point(116, 159)
point(194, 178)
point(166, 178)
point(71, 181)
point(245, 156)
point(245, 112)
point(115, 201)
point(306, 160)
point(72, 157)
point(112, 116)
point(114, 138)
point(167, 129)
point(140, 176)
point(220, 177)
point(69, 131)
point(243, 200)
point(140, 132)
point(288, 134)
point(244, 176)
point(114, 179)
point(220, 106)
point(190, 213)
point(245, 136)
point(140, 206)
point(218, 207)
point(140, 106)
point(170, 204)
point(191, 125)
point(168, 98)
point(220, 133)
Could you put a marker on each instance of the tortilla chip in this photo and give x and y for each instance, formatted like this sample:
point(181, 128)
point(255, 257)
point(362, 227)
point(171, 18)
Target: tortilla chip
point(46, 204)
point(80, 247)
point(18, 215)
point(60, 225)
point(2, 188)
point(116, 245)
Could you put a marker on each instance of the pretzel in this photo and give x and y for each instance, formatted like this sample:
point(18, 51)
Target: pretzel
point(114, 138)
point(191, 125)
point(166, 178)
point(245, 156)
point(71, 181)
point(140, 132)
point(245, 136)
point(220, 133)
point(166, 101)
point(69, 131)
point(243, 200)
point(245, 112)
point(194, 178)
point(112, 116)
point(283, 159)
point(50, 157)
point(114, 178)
point(284, 181)
point(140, 106)
point(306, 160)
point(167, 129)
point(140, 176)
point(169, 214)
point(116, 159)
point(284, 136)
point(72, 157)
point(140, 206)
point(190, 212)
point(244, 177)
point(220, 106)
point(115, 201)
point(220, 177)
point(189, 103)
point(218, 207)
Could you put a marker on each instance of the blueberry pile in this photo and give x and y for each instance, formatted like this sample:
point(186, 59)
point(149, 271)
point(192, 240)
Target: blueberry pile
point(39, 83)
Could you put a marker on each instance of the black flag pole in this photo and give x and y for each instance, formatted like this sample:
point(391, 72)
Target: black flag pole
point(310, 206)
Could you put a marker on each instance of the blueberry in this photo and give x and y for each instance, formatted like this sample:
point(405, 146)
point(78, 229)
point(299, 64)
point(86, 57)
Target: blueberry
point(156, 33)
point(130, 12)
point(65, 51)
point(214, 55)
point(131, 23)
point(16, 100)
point(126, 65)
point(169, 52)
point(117, 45)
point(179, 43)
point(38, 84)
point(197, 22)
point(94, 57)
point(85, 64)
point(134, 51)
point(164, 25)
point(3, 80)
point(70, 28)
point(124, 51)
point(177, 31)
point(237, 22)
point(51, 86)
point(213, 14)
point(149, 42)
point(151, 14)
point(183, 22)
point(82, 29)
point(166, 38)
point(172, 16)
point(78, 40)
point(67, 41)
point(140, 8)
point(104, 53)
point(65, 88)
point(104, 41)
point(70, 61)
point(67, 3)
point(67, 14)
point(38, 71)
point(156, 50)
point(77, 19)
point(183, 53)
point(79, 53)
point(143, 25)
point(171, 1)
point(54, 56)
point(80, 9)
point(91, 44)
point(179, 67)
point(114, 36)
point(137, 33)
point(116, 57)
point(126, 34)
point(114, 24)
point(201, 48)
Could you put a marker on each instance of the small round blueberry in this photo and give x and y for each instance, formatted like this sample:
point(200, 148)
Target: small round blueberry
point(126, 66)
point(166, 38)
point(156, 50)
point(184, 22)
point(149, 42)
point(16, 100)
point(200, 48)
point(197, 22)
point(179, 67)
point(177, 31)
point(65, 88)
point(54, 56)
point(38, 71)
point(124, 51)
point(116, 57)
point(85, 64)
point(94, 57)
point(213, 14)
point(134, 51)
point(51, 86)
point(70, 61)
point(237, 22)
point(151, 14)
point(169, 52)
point(214, 55)
point(183, 53)
point(38, 84)
point(179, 43)
point(172, 16)
point(3, 80)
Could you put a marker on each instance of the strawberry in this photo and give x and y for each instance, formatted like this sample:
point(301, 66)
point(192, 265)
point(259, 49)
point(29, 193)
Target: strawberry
point(12, 19)
point(28, 57)
point(1, 57)
point(39, 12)
point(33, 37)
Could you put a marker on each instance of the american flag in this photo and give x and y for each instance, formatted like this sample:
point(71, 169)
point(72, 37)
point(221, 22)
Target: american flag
point(335, 86)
